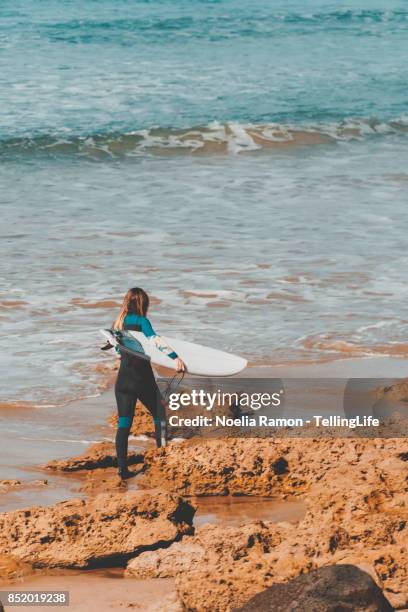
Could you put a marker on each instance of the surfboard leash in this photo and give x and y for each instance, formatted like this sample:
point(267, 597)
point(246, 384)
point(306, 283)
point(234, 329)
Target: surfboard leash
point(168, 390)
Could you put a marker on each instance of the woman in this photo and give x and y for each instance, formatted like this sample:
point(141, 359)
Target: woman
point(135, 377)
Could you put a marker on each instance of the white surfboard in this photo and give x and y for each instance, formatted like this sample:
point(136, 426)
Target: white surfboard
point(200, 360)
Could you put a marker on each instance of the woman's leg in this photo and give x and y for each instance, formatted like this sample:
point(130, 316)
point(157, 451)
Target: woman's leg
point(151, 397)
point(126, 410)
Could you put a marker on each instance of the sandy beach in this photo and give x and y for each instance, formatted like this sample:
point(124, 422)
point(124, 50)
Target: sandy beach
point(103, 590)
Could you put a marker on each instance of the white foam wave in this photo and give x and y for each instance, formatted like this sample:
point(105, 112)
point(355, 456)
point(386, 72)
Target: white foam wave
point(215, 138)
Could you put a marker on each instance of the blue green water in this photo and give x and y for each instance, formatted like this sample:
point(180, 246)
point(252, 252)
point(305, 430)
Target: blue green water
point(245, 162)
point(94, 67)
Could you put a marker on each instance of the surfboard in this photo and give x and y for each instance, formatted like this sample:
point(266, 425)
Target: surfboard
point(125, 341)
point(200, 360)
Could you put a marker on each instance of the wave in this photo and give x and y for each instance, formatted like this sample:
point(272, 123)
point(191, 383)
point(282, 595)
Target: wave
point(218, 26)
point(213, 139)
point(13, 406)
point(327, 344)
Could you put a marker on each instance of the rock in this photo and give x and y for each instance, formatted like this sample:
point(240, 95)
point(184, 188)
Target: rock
point(237, 562)
point(215, 565)
point(12, 569)
point(43, 482)
point(102, 481)
point(397, 392)
point(336, 588)
point(356, 513)
point(398, 601)
point(262, 466)
point(217, 467)
point(388, 567)
point(99, 455)
point(355, 492)
point(166, 563)
point(104, 530)
point(5, 485)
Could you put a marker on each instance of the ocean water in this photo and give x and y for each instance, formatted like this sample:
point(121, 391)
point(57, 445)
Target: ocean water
point(244, 162)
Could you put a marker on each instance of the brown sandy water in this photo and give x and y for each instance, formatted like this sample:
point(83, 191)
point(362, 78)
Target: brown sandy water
point(232, 510)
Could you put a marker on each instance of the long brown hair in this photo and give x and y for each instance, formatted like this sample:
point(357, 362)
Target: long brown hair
point(136, 301)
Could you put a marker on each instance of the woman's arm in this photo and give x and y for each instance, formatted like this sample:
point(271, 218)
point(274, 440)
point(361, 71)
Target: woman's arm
point(161, 344)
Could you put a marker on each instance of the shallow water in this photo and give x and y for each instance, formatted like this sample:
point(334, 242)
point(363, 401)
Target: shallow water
point(98, 589)
point(232, 510)
point(245, 163)
point(274, 284)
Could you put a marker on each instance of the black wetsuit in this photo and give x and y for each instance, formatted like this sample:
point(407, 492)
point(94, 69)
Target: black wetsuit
point(136, 381)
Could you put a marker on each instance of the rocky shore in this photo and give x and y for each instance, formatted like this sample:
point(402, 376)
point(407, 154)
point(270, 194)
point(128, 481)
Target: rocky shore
point(354, 491)
point(105, 530)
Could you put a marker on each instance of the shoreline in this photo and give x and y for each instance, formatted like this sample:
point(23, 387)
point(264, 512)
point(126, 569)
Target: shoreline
point(31, 437)
point(335, 363)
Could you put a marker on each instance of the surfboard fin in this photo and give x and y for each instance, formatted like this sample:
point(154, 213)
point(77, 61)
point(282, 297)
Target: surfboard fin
point(107, 346)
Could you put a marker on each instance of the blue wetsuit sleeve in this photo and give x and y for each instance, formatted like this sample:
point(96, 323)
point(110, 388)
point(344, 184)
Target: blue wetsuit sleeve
point(147, 328)
point(159, 342)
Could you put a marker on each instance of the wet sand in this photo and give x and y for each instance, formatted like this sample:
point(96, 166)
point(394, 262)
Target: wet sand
point(98, 590)
point(30, 437)
point(370, 367)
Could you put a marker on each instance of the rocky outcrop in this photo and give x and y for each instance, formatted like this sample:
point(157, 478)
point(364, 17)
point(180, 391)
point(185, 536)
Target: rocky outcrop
point(218, 467)
point(396, 392)
point(207, 549)
point(167, 563)
point(220, 566)
point(107, 529)
point(10, 485)
point(355, 492)
point(236, 562)
point(265, 466)
point(343, 588)
point(99, 455)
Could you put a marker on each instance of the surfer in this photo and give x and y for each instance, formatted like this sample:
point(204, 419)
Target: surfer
point(135, 380)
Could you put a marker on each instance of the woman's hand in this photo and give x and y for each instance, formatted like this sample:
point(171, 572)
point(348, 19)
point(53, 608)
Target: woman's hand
point(180, 365)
